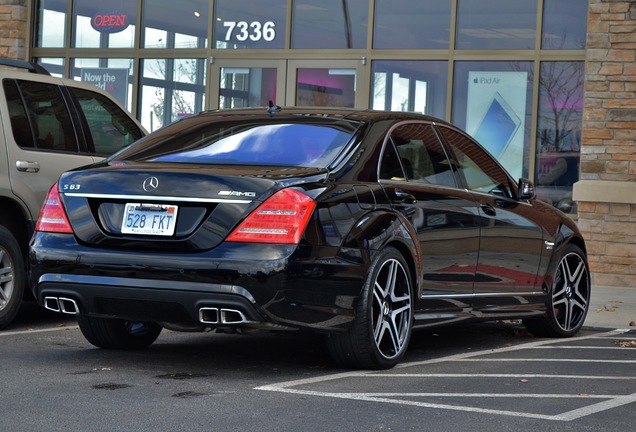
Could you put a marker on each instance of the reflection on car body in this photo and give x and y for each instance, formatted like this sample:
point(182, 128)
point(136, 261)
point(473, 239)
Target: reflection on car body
point(361, 225)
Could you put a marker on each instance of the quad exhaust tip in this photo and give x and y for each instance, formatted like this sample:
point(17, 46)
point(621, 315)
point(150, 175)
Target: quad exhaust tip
point(212, 315)
point(62, 305)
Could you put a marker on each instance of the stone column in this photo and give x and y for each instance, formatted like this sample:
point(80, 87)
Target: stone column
point(606, 192)
point(13, 29)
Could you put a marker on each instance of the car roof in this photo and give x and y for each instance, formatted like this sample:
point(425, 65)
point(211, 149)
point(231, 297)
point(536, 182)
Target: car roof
point(366, 115)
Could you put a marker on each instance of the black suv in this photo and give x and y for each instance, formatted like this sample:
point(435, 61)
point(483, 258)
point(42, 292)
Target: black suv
point(48, 125)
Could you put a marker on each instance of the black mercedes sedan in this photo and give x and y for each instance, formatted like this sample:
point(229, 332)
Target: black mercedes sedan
point(361, 225)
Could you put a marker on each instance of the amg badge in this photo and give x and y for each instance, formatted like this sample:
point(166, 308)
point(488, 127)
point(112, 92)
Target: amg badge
point(237, 193)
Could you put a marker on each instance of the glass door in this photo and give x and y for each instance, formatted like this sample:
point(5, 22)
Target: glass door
point(325, 83)
point(246, 83)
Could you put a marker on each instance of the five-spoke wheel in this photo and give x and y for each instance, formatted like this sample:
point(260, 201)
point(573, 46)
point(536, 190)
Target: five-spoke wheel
point(384, 317)
point(569, 297)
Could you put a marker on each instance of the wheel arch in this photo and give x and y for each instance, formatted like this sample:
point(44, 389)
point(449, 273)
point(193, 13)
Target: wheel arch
point(15, 220)
point(382, 228)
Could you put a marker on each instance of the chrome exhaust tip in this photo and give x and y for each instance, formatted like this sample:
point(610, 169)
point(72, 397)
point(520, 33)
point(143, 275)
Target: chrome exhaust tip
point(61, 305)
point(52, 304)
point(232, 316)
point(68, 306)
point(214, 315)
point(209, 315)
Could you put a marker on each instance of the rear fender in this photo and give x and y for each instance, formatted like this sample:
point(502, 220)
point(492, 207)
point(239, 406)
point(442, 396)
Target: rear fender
point(378, 229)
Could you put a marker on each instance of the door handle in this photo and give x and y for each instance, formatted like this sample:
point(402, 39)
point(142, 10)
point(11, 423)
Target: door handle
point(405, 197)
point(27, 166)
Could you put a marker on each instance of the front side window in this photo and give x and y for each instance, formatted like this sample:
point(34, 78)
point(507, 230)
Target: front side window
point(478, 169)
point(109, 127)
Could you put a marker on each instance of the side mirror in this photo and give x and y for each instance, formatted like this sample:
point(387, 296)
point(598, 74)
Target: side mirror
point(525, 190)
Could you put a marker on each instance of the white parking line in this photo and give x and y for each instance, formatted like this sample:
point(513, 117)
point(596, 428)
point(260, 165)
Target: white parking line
point(28, 331)
point(609, 401)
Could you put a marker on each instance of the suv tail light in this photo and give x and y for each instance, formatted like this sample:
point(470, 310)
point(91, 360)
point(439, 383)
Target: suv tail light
point(53, 216)
point(282, 218)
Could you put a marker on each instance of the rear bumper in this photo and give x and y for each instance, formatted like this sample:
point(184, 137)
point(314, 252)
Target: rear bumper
point(233, 285)
point(134, 299)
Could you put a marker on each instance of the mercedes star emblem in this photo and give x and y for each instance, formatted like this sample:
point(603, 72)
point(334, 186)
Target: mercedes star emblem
point(151, 184)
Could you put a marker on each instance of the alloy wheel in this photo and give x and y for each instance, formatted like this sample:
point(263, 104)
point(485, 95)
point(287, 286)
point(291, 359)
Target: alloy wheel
point(6, 278)
point(391, 309)
point(571, 293)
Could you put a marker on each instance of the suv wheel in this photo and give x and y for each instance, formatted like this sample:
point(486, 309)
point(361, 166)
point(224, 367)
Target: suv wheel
point(12, 277)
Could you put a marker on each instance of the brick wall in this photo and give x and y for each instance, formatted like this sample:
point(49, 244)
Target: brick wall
point(13, 29)
point(607, 190)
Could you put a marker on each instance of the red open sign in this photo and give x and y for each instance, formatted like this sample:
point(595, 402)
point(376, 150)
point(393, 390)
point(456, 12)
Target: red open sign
point(109, 22)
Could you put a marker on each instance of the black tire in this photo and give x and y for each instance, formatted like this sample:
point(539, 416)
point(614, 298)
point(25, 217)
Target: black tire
point(569, 298)
point(113, 333)
point(12, 277)
point(383, 320)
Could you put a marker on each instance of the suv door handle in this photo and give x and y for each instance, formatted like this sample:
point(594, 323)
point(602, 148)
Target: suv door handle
point(405, 197)
point(27, 166)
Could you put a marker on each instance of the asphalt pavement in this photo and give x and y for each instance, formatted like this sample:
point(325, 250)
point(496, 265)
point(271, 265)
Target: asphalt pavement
point(612, 307)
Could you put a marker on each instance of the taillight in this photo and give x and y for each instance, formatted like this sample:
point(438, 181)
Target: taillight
point(282, 218)
point(53, 216)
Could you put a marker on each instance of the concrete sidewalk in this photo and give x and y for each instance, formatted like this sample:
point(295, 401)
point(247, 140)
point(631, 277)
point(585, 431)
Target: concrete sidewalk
point(612, 307)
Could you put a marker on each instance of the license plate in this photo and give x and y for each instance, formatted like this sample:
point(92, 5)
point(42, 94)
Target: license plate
point(149, 219)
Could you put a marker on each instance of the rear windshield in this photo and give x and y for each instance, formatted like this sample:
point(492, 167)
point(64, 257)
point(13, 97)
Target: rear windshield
point(310, 142)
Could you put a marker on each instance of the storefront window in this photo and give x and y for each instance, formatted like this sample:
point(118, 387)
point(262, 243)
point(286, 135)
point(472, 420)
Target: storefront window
point(408, 24)
point(54, 65)
point(242, 87)
point(564, 24)
point(175, 24)
point(170, 89)
point(416, 86)
point(112, 75)
point(330, 23)
point(101, 24)
point(493, 103)
point(559, 132)
point(50, 23)
point(322, 87)
point(496, 24)
point(250, 23)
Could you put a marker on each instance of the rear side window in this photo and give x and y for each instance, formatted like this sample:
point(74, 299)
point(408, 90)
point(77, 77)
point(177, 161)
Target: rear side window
point(246, 142)
point(110, 128)
point(39, 116)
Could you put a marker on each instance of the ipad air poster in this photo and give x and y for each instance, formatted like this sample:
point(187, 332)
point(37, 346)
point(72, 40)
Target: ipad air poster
point(496, 115)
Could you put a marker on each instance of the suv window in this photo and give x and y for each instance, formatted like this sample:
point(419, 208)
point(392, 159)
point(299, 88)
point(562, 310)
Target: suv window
point(110, 128)
point(39, 116)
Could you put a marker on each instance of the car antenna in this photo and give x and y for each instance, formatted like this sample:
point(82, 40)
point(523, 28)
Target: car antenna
point(272, 109)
